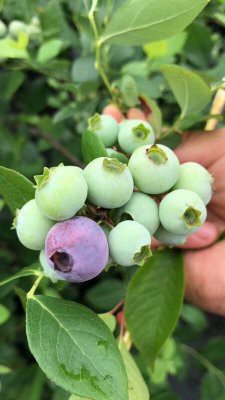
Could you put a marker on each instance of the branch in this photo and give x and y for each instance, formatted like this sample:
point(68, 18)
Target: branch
point(57, 146)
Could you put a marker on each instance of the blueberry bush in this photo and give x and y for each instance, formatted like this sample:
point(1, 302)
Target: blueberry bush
point(95, 97)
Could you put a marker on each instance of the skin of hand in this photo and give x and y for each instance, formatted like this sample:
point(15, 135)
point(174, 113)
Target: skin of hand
point(204, 257)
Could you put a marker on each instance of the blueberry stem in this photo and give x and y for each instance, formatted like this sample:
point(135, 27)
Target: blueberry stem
point(98, 45)
point(31, 292)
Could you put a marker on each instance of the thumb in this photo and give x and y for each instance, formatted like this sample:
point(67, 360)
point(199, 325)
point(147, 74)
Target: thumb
point(206, 236)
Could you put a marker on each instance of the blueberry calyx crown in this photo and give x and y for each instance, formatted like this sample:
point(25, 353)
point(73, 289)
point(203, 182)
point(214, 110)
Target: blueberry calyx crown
point(62, 261)
point(94, 123)
point(15, 221)
point(191, 217)
point(141, 132)
point(41, 180)
point(113, 165)
point(157, 155)
point(142, 256)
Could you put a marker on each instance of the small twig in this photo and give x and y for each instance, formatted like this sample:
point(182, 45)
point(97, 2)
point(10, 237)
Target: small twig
point(57, 146)
point(200, 358)
point(98, 63)
point(217, 109)
point(117, 307)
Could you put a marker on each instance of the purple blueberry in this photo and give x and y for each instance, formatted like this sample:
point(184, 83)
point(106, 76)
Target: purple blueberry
point(77, 249)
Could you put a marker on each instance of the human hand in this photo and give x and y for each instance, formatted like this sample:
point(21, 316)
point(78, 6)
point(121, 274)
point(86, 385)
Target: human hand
point(204, 258)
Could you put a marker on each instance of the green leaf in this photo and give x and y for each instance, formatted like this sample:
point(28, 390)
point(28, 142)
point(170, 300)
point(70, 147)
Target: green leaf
point(105, 294)
point(136, 22)
point(190, 91)
point(153, 302)
point(212, 387)
point(15, 188)
point(10, 48)
point(75, 349)
point(27, 271)
point(10, 81)
point(137, 388)
point(213, 349)
point(194, 317)
point(109, 320)
point(65, 113)
point(198, 48)
point(4, 314)
point(92, 147)
point(83, 70)
point(51, 17)
point(4, 370)
point(155, 114)
point(167, 47)
point(49, 50)
point(129, 91)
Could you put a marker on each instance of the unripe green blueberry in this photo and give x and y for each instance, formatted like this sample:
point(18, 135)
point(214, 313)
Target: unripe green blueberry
point(129, 243)
point(115, 154)
point(3, 29)
point(33, 31)
point(48, 270)
point(31, 226)
point(106, 127)
point(16, 27)
point(155, 169)
point(60, 192)
point(110, 183)
point(182, 212)
point(169, 238)
point(135, 133)
point(35, 21)
point(143, 209)
point(195, 177)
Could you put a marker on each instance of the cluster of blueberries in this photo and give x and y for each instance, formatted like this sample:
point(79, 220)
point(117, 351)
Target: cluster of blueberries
point(15, 27)
point(141, 189)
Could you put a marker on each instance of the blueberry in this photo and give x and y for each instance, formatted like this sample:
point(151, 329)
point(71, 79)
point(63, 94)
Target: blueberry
point(16, 27)
point(169, 238)
point(31, 226)
point(195, 177)
point(106, 127)
point(77, 249)
point(135, 133)
point(60, 192)
point(129, 243)
point(48, 271)
point(110, 183)
point(143, 209)
point(3, 29)
point(182, 212)
point(155, 168)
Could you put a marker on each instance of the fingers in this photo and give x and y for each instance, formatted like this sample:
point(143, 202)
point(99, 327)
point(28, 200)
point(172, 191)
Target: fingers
point(202, 147)
point(114, 112)
point(207, 235)
point(205, 278)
